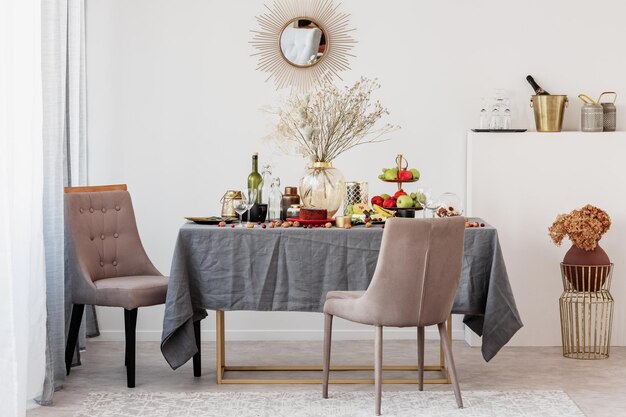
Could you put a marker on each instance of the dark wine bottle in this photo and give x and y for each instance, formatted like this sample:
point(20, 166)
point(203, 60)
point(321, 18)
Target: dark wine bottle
point(254, 179)
point(538, 90)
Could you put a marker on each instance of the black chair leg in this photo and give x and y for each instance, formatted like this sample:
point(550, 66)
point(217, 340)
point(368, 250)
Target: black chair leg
point(130, 324)
point(197, 358)
point(72, 336)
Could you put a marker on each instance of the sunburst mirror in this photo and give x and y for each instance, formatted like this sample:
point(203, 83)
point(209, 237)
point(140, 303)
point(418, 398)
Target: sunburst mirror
point(301, 42)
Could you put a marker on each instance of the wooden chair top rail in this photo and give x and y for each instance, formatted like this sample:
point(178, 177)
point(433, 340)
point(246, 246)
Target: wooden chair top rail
point(96, 188)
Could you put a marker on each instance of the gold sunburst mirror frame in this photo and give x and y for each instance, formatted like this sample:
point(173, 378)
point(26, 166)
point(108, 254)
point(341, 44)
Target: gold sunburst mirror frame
point(283, 19)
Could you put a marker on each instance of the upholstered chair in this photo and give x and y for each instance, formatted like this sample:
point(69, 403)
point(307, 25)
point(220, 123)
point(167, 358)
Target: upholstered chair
point(414, 285)
point(108, 265)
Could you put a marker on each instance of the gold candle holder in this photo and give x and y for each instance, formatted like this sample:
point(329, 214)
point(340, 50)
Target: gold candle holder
point(341, 221)
point(586, 307)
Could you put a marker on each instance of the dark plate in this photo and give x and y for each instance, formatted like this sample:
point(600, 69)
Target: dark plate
point(210, 220)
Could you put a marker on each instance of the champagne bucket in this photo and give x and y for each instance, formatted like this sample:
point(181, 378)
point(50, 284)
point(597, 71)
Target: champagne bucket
point(227, 203)
point(609, 113)
point(549, 112)
point(591, 115)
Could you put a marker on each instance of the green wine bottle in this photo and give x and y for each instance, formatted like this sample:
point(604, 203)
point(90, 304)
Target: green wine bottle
point(254, 179)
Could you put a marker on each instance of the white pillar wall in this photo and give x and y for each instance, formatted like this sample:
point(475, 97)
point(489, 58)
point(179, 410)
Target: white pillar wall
point(175, 105)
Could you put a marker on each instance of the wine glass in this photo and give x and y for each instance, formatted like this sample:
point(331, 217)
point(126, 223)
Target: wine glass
point(241, 206)
point(251, 194)
point(425, 198)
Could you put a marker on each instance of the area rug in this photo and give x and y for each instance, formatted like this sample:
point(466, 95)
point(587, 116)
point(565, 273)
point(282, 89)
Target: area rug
point(340, 404)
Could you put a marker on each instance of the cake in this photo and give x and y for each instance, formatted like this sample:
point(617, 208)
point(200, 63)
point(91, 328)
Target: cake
point(313, 214)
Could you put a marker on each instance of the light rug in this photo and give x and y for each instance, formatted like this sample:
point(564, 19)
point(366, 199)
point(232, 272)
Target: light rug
point(340, 404)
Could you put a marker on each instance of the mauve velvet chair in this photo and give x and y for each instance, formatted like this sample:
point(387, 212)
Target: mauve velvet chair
point(414, 284)
point(108, 265)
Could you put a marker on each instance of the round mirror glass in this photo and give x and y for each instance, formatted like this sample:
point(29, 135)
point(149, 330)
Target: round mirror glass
point(302, 42)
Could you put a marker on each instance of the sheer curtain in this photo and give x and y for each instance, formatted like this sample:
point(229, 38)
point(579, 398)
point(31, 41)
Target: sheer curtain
point(22, 269)
point(64, 164)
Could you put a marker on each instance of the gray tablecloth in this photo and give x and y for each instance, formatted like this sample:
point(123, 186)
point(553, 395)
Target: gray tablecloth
point(293, 269)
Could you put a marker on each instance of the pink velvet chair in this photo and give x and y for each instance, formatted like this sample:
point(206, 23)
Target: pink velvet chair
point(108, 265)
point(414, 285)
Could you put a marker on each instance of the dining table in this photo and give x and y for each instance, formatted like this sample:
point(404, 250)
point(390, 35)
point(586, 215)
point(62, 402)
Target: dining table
point(292, 269)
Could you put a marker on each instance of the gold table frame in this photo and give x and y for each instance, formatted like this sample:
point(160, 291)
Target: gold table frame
point(222, 368)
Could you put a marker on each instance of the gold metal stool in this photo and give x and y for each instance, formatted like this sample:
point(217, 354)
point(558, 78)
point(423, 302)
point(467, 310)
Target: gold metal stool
point(586, 311)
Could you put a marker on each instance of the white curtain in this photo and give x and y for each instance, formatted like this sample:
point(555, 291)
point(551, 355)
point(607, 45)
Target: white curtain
point(64, 163)
point(22, 269)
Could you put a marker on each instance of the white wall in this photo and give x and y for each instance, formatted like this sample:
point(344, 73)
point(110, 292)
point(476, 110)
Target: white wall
point(174, 100)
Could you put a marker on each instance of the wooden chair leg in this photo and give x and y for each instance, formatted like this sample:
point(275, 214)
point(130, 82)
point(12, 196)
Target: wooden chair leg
point(443, 334)
point(130, 325)
point(197, 358)
point(72, 336)
point(378, 366)
point(328, 332)
point(420, 357)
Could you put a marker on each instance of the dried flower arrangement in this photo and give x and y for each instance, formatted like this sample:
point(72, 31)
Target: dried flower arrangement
point(584, 227)
point(331, 120)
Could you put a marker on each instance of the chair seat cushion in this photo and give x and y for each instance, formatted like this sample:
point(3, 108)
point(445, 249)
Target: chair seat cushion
point(132, 291)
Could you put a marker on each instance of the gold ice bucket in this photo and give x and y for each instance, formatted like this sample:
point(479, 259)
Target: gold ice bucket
point(549, 111)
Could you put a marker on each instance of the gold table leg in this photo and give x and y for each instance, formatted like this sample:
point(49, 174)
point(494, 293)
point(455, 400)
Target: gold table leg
point(222, 368)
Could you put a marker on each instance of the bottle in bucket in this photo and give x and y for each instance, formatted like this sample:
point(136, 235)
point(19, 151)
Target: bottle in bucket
point(548, 108)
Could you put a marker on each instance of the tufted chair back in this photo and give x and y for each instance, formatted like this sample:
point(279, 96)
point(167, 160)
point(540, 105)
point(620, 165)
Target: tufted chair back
point(102, 236)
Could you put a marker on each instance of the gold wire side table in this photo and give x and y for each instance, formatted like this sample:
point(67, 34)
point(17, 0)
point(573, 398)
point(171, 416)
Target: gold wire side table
point(586, 311)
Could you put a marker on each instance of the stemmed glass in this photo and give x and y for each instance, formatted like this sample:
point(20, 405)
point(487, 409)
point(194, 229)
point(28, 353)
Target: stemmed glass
point(241, 206)
point(245, 203)
point(426, 200)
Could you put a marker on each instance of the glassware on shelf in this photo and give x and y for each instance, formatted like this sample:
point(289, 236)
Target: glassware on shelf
point(484, 116)
point(500, 112)
point(448, 205)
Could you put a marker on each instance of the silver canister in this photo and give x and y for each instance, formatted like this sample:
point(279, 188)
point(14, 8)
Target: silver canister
point(227, 203)
point(591, 115)
point(610, 112)
point(356, 192)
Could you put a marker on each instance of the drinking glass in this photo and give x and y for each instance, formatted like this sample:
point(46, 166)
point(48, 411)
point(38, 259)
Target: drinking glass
point(241, 206)
point(426, 200)
point(250, 197)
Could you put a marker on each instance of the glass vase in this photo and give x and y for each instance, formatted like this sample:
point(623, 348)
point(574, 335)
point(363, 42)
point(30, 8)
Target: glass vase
point(322, 187)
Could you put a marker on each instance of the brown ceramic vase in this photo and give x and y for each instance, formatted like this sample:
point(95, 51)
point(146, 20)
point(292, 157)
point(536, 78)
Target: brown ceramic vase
point(581, 278)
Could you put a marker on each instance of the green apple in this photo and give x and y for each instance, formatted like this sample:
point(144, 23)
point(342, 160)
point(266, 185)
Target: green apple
point(390, 174)
point(404, 201)
point(384, 196)
point(416, 173)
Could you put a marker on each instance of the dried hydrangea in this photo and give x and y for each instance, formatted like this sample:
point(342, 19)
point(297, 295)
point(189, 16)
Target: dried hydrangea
point(330, 120)
point(583, 227)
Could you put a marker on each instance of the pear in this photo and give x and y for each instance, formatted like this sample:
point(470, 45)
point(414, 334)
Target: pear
point(391, 175)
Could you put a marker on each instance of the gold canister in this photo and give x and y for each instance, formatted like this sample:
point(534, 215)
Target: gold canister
point(549, 112)
point(227, 203)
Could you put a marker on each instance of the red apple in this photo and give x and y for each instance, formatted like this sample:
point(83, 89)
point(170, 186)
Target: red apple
point(389, 203)
point(405, 175)
point(378, 200)
point(398, 194)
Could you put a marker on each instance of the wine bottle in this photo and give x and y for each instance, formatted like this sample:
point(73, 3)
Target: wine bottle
point(254, 179)
point(538, 90)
